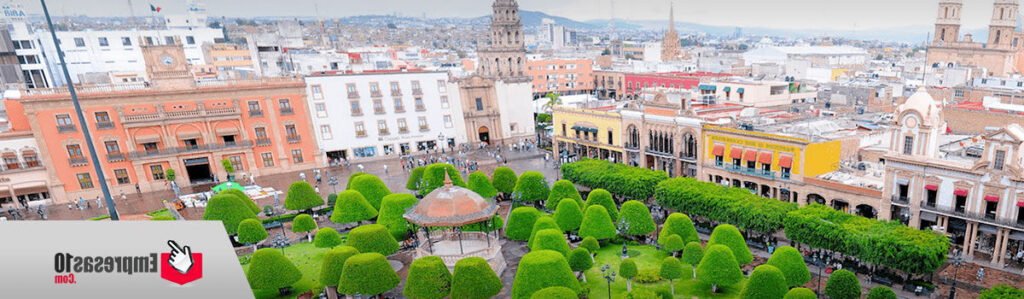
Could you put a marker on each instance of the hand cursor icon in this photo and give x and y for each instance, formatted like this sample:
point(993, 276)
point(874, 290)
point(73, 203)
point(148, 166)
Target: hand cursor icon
point(180, 258)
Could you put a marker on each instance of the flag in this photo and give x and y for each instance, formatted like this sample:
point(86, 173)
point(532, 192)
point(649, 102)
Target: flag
point(154, 8)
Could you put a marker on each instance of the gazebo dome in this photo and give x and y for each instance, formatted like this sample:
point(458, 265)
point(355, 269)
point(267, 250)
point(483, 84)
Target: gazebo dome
point(451, 205)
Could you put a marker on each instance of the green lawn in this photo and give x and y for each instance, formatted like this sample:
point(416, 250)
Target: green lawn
point(161, 212)
point(647, 257)
point(307, 258)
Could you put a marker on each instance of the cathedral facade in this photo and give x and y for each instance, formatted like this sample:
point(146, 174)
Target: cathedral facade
point(997, 56)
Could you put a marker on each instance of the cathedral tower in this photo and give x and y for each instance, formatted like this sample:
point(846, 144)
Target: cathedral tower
point(670, 46)
point(1004, 20)
point(505, 57)
point(947, 24)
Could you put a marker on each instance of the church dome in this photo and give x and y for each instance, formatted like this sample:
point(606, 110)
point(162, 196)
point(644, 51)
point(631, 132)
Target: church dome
point(451, 205)
point(924, 105)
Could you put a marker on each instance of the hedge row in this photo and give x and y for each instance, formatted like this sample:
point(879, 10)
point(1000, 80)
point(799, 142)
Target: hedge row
point(632, 182)
point(735, 206)
point(879, 242)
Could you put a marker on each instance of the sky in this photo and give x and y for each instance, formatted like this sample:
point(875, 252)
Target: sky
point(779, 14)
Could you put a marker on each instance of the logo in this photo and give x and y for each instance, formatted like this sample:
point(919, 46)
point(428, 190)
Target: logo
point(181, 266)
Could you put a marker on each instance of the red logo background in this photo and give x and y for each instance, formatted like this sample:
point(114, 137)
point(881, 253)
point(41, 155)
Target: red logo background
point(169, 273)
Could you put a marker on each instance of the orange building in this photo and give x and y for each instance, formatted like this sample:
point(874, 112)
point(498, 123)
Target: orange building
point(561, 76)
point(142, 130)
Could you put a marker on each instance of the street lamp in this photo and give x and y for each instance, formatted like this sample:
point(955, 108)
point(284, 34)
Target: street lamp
point(623, 228)
point(333, 181)
point(825, 260)
point(280, 241)
point(958, 261)
point(609, 275)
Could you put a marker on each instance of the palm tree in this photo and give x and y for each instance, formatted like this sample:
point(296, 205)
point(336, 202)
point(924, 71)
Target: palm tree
point(553, 100)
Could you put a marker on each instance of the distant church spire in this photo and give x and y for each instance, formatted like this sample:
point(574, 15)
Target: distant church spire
point(670, 45)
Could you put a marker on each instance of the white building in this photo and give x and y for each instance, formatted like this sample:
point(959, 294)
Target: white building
point(371, 115)
point(818, 55)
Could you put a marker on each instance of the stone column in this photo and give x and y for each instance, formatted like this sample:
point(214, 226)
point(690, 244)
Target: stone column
point(995, 247)
point(972, 231)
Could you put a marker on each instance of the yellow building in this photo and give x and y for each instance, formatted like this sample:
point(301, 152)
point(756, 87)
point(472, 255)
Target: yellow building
point(227, 55)
point(590, 133)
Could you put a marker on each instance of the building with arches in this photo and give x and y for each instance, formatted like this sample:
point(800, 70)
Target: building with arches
point(1001, 54)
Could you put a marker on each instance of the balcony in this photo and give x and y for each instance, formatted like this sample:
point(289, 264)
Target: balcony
point(360, 134)
point(287, 111)
point(785, 175)
point(417, 91)
point(104, 125)
point(192, 148)
point(421, 108)
point(980, 217)
point(115, 157)
point(403, 130)
point(424, 128)
point(376, 94)
point(357, 112)
point(263, 142)
point(383, 132)
point(192, 114)
point(378, 111)
point(78, 161)
point(396, 92)
point(293, 138)
point(900, 200)
point(400, 109)
point(255, 113)
point(353, 95)
point(66, 129)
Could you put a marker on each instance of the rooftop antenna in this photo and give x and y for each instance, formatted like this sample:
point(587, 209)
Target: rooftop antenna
point(924, 68)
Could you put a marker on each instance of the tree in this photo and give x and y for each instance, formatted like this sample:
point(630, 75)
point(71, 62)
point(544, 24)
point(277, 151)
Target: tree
point(597, 224)
point(550, 239)
point(270, 269)
point(520, 223)
point(590, 243)
point(229, 210)
point(473, 278)
point(415, 177)
point(553, 100)
point(580, 261)
point(568, 215)
point(843, 284)
point(331, 199)
point(326, 237)
point(542, 223)
point(563, 189)
point(372, 188)
point(504, 180)
point(728, 235)
point(372, 238)
point(639, 218)
point(606, 52)
point(679, 224)
point(433, 177)
point(642, 293)
point(801, 293)
point(672, 269)
point(428, 278)
point(228, 167)
point(693, 253)
point(882, 292)
point(334, 262)
point(301, 196)
point(303, 223)
point(628, 270)
point(719, 267)
point(1001, 291)
point(673, 243)
point(244, 197)
point(251, 231)
point(540, 269)
point(352, 207)
point(170, 175)
point(392, 207)
point(791, 263)
point(367, 274)
point(352, 178)
point(481, 184)
point(532, 187)
point(555, 293)
point(766, 282)
point(602, 198)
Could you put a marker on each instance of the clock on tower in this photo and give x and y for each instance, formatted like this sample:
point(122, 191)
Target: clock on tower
point(166, 65)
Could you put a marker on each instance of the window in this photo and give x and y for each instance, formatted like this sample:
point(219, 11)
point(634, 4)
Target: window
point(64, 120)
point(736, 162)
point(321, 109)
point(930, 196)
point(122, 176)
point(355, 108)
point(444, 102)
point(317, 92)
point(102, 117)
point(997, 162)
point(126, 41)
point(419, 104)
point(448, 121)
point(441, 85)
point(378, 106)
point(149, 40)
point(190, 40)
point(610, 137)
point(382, 126)
point(79, 42)
point(11, 162)
point(103, 42)
point(254, 108)
point(325, 131)
point(363, 152)
point(960, 203)
point(990, 209)
point(84, 180)
point(149, 146)
point(157, 171)
point(31, 160)
point(261, 133)
point(351, 89)
point(399, 107)
point(285, 105)
point(423, 123)
point(296, 156)
point(563, 129)
point(112, 147)
point(290, 131)
point(237, 163)
point(374, 88)
point(401, 125)
point(168, 40)
point(786, 171)
point(268, 159)
point(415, 85)
point(75, 151)
point(394, 87)
point(360, 130)
point(908, 145)
point(479, 104)
point(191, 143)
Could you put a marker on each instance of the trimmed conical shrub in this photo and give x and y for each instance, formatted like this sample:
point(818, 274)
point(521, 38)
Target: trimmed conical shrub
point(596, 223)
point(791, 263)
point(351, 206)
point(270, 269)
point(542, 223)
point(392, 207)
point(326, 238)
point(334, 262)
point(639, 218)
point(541, 269)
point(532, 187)
point(603, 198)
point(372, 238)
point(415, 178)
point(568, 215)
point(367, 274)
point(303, 223)
point(801, 293)
point(372, 188)
point(843, 284)
point(679, 224)
point(352, 178)
point(520, 223)
point(244, 197)
point(728, 235)
point(766, 282)
point(302, 196)
point(719, 267)
point(229, 209)
point(428, 279)
point(481, 184)
point(551, 239)
point(881, 292)
point(251, 231)
point(504, 179)
point(562, 189)
point(555, 293)
point(473, 278)
point(693, 253)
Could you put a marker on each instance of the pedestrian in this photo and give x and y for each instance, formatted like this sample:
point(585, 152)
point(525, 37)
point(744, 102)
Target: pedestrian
point(69, 206)
point(361, 168)
point(137, 189)
point(302, 176)
point(385, 169)
point(81, 203)
point(99, 203)
point(317, 189)
point(318, 177)
point(88, 205)
point(252, 179)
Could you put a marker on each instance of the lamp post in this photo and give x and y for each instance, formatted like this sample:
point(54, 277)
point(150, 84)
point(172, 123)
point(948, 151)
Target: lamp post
point(333, 181)
point(280, 241)
point(623, 228)
point(824, 261)
point(516, 197)
point(958, 260)
point(609, 275)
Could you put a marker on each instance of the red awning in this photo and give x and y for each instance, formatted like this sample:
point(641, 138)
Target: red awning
point(960, 192)
point(718, 150)
point(786, 161)
point(750, 155)
point(1020, 203)
point(736, 153)
point(992, 198)
point(765, 158)
point(931, 187)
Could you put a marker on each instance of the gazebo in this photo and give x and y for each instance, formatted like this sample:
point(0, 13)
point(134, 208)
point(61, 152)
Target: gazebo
point(454, 207)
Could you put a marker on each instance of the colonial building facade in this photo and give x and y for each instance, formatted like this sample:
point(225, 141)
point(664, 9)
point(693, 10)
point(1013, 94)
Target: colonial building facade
point(998, 56)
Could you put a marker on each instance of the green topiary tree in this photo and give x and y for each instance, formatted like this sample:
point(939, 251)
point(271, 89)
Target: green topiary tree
point(693, 253)
point(481, 184)
point(597, 224)
point(326, 238)
point(251, 231)
point(791, 263)
point(367, 274)
point(555, 293)
point(562, 189)
point(414, 179)
point(591, 244)
point(244, 197)
point(580, 261)
point(433, 177)
point(351, 178)
point(639, 218)
point(542, 223)
point(392, 207)
point(473, 278)
point(331, 199)
point(728, 235)
point(372, 188)
point(532, 187)
point(672, 269)
point(270, 269)
point(765, 282)
point(540, 269)
point(352, 207)
point(301, 196)
point(550, 239)
point(303, 223)
point(372, 238)
point(228, 167)
point(1001, 291)
point(504, 180)
point(801, 293)
point(229, 210)
point(628, 270)
point(843, 284)
point(170, 175)
point(520, 223)
point(603, 198)
point(334, 262)
point(883, 292)
point(673, 243)
point(568, 215)
point(428, 278)
point(642, 293)
point(719, 267)
point(679, 224)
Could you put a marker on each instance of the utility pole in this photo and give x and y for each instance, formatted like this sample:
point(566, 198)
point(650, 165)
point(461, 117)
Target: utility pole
point(131, 12)
point(81, 119)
